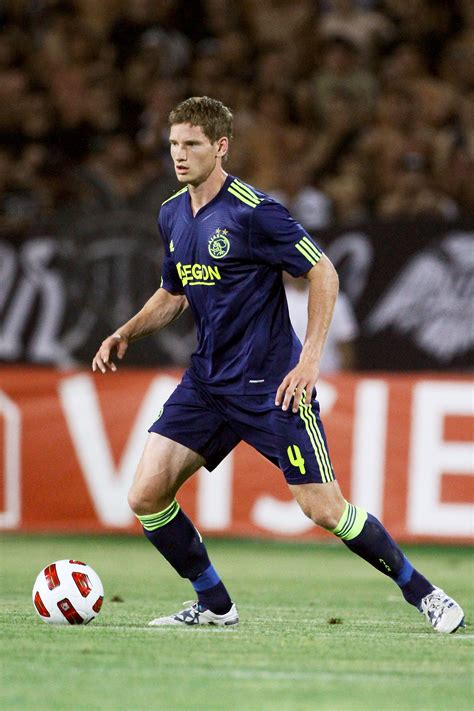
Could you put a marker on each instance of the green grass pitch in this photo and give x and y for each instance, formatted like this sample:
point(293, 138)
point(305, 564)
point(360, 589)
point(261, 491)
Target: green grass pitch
point(319, 630)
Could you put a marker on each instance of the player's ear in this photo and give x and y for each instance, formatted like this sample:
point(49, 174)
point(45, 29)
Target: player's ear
point(222, 146)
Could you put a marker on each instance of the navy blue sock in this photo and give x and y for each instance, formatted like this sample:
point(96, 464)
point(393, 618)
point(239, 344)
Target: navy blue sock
point(211, 592)
point(364, 535)
point(174, 536)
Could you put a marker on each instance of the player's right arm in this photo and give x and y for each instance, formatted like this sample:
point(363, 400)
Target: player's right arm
point(159, 311)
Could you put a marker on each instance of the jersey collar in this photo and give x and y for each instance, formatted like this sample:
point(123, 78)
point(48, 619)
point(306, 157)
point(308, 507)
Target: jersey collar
point(209, 204)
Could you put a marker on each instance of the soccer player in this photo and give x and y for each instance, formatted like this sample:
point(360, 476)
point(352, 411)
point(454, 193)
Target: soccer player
point(226, 245)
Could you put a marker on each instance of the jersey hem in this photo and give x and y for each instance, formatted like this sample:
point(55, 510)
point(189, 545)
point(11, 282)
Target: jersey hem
point(266, 388)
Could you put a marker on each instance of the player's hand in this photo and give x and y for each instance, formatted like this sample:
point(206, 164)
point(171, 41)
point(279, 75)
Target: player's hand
point(301, 379)
point(113, 345)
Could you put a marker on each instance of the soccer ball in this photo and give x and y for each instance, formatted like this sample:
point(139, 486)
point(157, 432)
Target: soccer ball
point(68, 592)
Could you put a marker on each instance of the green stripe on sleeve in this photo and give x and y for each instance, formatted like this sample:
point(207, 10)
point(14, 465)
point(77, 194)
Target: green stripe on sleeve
point(311, 247)
point(242, 190)
point(245, 188)
point(308, 256)
point(244, 199)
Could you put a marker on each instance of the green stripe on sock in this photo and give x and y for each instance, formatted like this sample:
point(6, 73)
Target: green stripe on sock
point(151, 522)
point(351, 523)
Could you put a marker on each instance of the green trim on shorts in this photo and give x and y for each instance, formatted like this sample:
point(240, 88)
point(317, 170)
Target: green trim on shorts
point(316, 439)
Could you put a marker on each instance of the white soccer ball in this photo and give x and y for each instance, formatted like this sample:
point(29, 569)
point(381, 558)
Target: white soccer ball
point(68, 592)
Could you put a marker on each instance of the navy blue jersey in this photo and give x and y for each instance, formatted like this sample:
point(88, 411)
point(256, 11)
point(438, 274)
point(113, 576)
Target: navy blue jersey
point(228, 261)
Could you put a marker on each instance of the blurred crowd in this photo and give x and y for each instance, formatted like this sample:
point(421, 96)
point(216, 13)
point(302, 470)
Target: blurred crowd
point(344, 109)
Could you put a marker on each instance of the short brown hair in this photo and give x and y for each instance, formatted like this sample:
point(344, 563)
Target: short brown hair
point(211, 115)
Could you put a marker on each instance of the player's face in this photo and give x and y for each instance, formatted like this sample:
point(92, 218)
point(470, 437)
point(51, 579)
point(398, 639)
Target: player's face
point(194, 156)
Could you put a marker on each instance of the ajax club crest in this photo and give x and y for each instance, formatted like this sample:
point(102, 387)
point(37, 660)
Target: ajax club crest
point(219, 244)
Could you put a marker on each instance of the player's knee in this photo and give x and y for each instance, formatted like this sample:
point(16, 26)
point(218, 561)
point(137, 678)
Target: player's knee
point(138, 502)
point(326, 514)
point(143, 500)
point(325, 518)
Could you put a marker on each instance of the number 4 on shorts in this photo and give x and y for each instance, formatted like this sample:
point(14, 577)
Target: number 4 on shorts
point(296, 458)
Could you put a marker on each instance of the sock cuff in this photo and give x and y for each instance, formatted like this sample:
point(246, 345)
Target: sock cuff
point(351, 523)
point(206, 580)
point(151, 522)
point(405, 574)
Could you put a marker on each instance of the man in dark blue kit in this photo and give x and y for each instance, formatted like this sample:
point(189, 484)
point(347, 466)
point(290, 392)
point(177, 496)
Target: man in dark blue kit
point(226, 245)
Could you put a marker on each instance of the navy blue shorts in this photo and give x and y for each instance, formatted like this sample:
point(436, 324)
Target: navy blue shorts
point(212, 425)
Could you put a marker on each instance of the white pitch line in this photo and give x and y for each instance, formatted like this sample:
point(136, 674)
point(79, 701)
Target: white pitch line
point(323, 632)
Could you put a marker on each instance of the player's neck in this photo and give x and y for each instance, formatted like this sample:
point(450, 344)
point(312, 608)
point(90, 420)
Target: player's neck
point(207, 190)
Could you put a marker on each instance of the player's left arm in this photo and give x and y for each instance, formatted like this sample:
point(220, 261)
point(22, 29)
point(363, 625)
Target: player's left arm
point(323, 290)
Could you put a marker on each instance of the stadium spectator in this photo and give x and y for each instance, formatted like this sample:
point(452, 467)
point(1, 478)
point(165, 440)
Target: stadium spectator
point(115, 165)
point(310, 206)
point(454, 155)
point(340, 72)
point(347, 193)
point(413, 194)
point(398, 131)
point(271, 139)
point(235, 55)
point(277, 22)
point(339, 353)
point(367, 29)
point(144, 23)
point(406, 66)
point(458, 59)
point(337, 135)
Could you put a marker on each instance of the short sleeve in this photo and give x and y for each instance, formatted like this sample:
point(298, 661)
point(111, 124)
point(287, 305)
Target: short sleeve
point(169, 275)
point(278, 239)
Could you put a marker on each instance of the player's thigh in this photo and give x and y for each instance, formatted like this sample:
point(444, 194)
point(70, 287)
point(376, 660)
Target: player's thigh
point(191, 418)
point(295, 442)
point(163, 468)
